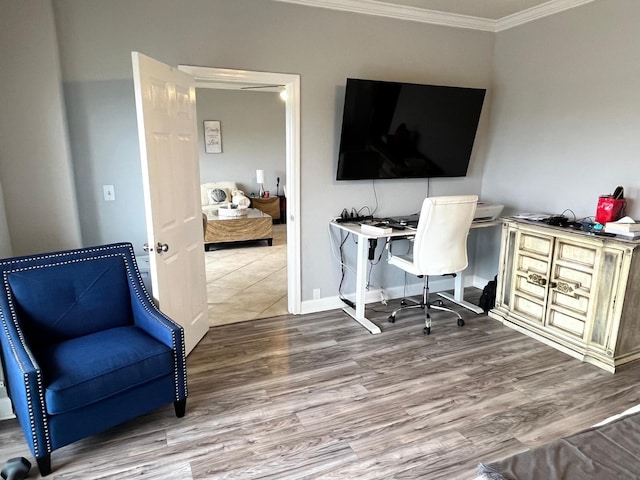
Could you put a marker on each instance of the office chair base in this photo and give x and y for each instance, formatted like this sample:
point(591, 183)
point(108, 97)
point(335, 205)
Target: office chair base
point(438, 305)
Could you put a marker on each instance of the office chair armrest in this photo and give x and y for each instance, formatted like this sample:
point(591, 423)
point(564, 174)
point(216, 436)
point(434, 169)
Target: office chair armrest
point(404, 239)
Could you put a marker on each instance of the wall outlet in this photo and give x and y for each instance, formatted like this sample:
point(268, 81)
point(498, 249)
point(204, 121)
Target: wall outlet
point(316, 294)
point(109, 193)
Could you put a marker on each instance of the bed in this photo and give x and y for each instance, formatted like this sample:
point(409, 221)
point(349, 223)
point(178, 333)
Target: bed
point(609, 450)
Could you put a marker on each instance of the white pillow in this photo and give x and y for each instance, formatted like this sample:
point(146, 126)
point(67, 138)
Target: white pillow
point(226, 187)
point(204, 196)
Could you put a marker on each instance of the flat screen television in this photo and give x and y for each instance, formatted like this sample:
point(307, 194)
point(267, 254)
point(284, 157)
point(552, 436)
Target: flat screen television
point(405, 130)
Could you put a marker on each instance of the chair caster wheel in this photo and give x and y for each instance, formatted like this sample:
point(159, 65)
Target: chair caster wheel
point(460, 322)
point(392, 319)
point(426, 330)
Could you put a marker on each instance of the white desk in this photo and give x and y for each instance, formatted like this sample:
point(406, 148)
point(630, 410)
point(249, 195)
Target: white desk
point(358, 313)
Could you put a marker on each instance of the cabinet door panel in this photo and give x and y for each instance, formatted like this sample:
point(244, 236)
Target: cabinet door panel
point(524, 285)
point(528, 264)
point(566, 323)
point(577, 254)
point(532, 310)
point(576, 303)
point(575, 280)
point(535, 244)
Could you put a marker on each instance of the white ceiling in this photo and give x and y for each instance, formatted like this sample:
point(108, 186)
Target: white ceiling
point(488, 15)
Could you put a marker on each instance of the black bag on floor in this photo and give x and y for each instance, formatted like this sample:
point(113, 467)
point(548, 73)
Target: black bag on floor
point(488, 297)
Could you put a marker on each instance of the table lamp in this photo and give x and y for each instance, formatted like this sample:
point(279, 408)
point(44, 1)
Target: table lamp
point(260, 180)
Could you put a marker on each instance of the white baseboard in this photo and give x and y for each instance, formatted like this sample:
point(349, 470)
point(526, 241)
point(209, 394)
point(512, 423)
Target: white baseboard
point(374, 296)
point(6, 409)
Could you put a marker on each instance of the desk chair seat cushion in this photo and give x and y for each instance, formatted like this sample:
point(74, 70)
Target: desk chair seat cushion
point(88, 369)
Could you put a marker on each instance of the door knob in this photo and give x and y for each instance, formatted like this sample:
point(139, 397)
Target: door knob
point(146, 248)
point(162, 247)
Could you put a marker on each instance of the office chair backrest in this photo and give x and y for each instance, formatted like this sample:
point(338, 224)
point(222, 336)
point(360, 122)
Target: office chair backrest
point(440, 244)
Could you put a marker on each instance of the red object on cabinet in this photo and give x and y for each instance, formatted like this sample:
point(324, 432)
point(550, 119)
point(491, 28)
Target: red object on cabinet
point(609, 209)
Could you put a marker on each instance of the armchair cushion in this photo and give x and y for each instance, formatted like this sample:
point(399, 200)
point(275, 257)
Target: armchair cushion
point(87, 369)
point(53, 300)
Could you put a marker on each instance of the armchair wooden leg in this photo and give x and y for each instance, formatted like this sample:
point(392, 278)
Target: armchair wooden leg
point(44, 465)
point(180, 407)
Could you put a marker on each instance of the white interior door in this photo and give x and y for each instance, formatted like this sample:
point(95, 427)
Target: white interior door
point(166, 111)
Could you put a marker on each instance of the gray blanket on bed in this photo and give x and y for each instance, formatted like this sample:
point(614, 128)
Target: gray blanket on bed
point(608, 452)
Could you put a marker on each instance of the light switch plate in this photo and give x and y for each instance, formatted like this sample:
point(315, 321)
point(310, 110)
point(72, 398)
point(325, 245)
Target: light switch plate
point(109, 193)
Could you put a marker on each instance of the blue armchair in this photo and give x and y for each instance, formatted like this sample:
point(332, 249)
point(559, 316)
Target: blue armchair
point(84, 347)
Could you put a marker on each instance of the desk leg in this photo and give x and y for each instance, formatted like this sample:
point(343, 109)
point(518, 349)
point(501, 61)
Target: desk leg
point(458, 295)
point(361, 288)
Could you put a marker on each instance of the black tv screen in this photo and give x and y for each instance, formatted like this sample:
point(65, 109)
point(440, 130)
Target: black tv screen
point(404, 130)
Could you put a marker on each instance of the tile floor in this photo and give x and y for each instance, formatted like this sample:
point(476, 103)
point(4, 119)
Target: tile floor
point(247, 281)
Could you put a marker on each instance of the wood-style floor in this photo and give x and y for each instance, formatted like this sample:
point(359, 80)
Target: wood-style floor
point(316, 396)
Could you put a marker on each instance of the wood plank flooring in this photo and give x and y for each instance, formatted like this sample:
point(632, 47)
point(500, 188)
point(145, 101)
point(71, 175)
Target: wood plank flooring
point(316, 396)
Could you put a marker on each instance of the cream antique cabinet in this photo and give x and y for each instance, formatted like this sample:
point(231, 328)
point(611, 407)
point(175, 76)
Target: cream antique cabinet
point(574, 291)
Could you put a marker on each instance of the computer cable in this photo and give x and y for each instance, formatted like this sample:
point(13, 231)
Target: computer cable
point(343, 267)
point(375, 195)
point(373, 263)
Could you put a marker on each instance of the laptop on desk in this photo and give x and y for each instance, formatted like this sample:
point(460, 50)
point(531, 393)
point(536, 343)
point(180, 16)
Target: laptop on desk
point(405, 220)
point(484, 212)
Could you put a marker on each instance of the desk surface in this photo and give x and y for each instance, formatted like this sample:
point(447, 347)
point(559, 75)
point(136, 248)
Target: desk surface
point(407, 232)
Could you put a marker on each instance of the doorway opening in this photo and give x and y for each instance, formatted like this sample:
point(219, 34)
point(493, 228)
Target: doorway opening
point(218, 78)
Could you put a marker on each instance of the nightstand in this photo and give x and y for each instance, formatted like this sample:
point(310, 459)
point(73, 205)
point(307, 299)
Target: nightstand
point(270, 206)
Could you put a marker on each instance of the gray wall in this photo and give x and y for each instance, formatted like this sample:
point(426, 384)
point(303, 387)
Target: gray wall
point(35, 166)
point(562, 91)
point(253, 136)
point(324, 47)
point(565, 120)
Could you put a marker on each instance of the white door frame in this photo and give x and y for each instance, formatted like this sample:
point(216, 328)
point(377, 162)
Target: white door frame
point(222, 78)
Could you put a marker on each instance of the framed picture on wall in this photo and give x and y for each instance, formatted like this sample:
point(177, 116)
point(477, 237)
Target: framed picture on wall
point(212, 136)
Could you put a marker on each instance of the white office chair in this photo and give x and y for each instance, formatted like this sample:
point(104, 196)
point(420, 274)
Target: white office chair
point(439, 248)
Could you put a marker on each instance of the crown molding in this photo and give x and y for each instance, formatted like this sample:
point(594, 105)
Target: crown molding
point(401, 12)
point(413, 14)
point(534, 13)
